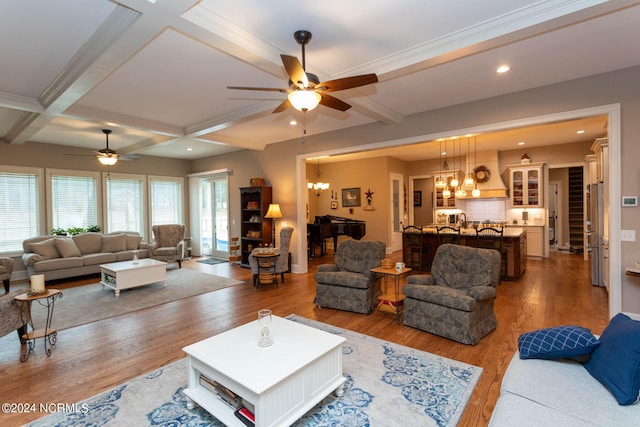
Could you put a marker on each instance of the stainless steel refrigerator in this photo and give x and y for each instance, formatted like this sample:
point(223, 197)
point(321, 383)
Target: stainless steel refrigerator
point(595, 230)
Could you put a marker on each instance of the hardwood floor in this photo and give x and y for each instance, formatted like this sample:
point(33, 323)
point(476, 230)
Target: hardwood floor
point(91, 358)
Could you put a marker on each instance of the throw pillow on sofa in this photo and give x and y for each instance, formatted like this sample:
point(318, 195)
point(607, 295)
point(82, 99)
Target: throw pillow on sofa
point(557, 343)
point(46, 249)
point(133, 241)
point(114, 243)
point(66, 247)
point(616, 362)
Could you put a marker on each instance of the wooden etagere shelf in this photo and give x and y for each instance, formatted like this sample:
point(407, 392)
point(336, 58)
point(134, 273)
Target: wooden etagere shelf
point(255, 228)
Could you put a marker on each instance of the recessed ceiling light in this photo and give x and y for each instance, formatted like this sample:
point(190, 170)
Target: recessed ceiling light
point(503, 69)
point(293, 123)
point(189, 149)
point(580, 131)
point(521, 143)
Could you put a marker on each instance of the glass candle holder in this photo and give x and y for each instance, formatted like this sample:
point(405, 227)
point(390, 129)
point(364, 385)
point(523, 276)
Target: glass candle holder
point(264, 328)
point(135, 257)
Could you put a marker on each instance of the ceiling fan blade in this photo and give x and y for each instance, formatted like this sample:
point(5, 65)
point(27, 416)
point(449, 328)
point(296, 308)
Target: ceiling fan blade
point(269, 89)
point(335, 103)
point(295, 71)
point(347, 83)
point(285, 104)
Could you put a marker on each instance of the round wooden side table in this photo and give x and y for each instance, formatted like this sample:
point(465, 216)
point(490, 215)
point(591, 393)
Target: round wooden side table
point(266, 268)
point(49, 335)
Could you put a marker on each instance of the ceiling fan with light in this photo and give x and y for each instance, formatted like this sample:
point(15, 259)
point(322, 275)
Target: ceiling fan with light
point(107, 156)
point(305, 89)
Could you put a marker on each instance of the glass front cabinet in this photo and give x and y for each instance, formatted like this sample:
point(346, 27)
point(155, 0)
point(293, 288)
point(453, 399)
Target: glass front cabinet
point(445, 202)
point(526, 185)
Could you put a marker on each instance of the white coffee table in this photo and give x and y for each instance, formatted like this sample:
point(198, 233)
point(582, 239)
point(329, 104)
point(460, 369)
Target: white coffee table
point(282, 382)
point(126, 274)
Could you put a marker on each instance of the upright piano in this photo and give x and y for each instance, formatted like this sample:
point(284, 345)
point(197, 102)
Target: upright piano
point(329, 226)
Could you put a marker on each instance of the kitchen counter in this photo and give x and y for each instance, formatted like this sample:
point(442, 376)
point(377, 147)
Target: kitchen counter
point(515, 240)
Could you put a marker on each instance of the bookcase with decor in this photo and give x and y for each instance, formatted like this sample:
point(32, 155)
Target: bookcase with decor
point(255, 228)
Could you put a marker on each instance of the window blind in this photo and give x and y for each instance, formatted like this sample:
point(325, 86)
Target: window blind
point(166, 202)
point(74, 201)
point(19, 209)
point(125, 209)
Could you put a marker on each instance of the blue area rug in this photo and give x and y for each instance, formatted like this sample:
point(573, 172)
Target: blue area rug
point(387, 385)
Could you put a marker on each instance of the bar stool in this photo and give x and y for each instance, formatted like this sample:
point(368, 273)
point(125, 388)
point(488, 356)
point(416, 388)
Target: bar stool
point(417, 253)
point(447, 234)
point(493, 238)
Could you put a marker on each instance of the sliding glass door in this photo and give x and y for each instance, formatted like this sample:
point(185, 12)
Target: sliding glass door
point(214, 216)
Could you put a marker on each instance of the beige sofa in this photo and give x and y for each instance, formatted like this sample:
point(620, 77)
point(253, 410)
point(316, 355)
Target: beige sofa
point(59, 257)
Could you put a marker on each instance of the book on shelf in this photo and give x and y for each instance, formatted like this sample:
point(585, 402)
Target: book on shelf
point(246, 416)
point(226, 395)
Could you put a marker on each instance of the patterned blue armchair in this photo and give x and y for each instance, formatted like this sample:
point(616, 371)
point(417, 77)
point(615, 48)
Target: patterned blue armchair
point(456, 300)
point(348, 284)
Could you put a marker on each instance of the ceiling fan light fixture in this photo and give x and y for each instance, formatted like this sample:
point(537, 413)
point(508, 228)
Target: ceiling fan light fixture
point(304, 100)
point(108, 160)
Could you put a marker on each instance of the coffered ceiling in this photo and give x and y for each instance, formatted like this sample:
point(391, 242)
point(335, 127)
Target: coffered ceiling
point(156, 72)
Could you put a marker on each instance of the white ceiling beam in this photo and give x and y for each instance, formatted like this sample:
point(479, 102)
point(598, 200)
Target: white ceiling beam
point(82, 74)
point(535, 19)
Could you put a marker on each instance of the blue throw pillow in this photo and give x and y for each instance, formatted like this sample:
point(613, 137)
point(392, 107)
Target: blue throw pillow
point(616, 362)
point(557, 343)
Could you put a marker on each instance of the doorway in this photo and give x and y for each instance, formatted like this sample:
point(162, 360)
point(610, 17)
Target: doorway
point(421, 210)
point(214, 217)
point(614, 131)
point(397, 211)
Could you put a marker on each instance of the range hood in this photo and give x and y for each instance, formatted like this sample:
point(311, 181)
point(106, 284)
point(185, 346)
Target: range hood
point(494, 187)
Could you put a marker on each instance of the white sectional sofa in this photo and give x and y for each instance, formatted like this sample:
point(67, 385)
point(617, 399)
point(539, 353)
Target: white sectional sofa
point(543, 393)
point(60, 257)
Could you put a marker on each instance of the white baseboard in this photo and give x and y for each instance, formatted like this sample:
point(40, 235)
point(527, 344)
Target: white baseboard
point(634, 316)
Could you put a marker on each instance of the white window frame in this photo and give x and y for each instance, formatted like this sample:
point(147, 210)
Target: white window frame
point(50, 173)
point(39, 173)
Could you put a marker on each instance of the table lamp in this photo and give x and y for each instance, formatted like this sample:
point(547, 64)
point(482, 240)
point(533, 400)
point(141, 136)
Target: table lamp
point(274, 213)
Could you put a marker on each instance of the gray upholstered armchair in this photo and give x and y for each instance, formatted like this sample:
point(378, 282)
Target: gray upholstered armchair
point(168, 243)
point(6, 269)
point(456, 300)
point(13, 316)
point(282, 262)
point(348, 284)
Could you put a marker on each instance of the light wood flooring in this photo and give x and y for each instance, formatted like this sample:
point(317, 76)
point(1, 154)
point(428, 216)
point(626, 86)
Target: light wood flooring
point(91, 358)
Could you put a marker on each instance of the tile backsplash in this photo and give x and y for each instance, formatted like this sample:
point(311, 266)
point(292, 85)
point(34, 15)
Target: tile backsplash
point(483, 210)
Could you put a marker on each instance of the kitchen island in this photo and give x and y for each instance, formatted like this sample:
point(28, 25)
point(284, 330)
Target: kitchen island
point(515, 241)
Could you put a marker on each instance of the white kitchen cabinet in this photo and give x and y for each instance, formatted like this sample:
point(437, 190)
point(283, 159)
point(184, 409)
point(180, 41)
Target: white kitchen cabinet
point(601, 149)
point(526, 185)
point(535, 239)
point(449, 202)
